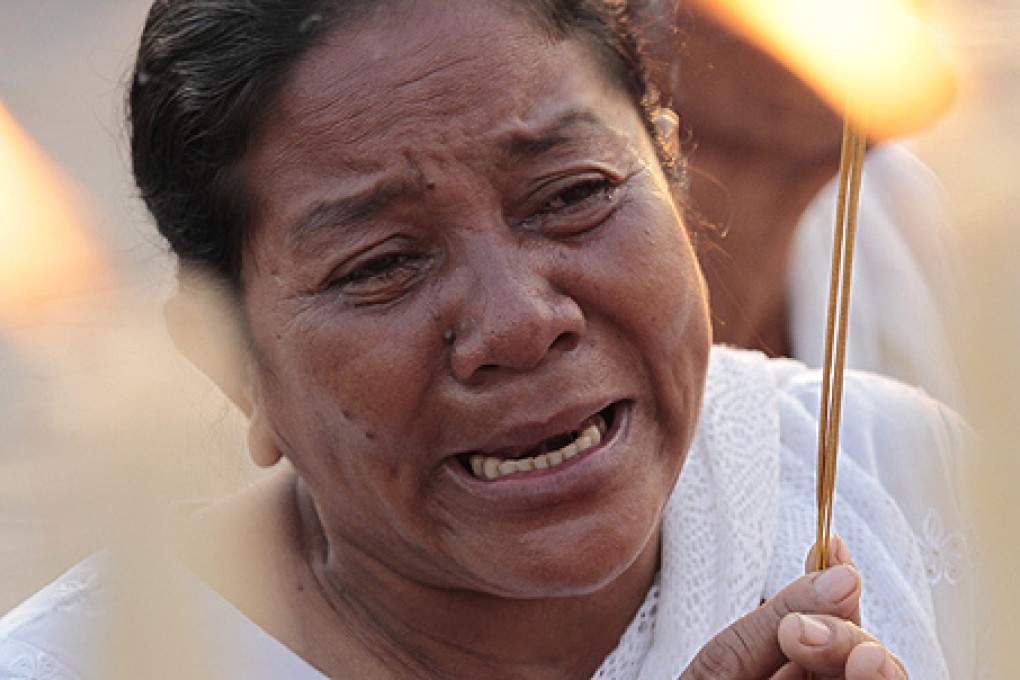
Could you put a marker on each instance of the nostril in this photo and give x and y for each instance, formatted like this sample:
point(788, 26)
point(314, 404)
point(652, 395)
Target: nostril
point(566, 341)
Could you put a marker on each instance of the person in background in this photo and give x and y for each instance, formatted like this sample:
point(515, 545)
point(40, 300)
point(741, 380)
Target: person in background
point(764, 150)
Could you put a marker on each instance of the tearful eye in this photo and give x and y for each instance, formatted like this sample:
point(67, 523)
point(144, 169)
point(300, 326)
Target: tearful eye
point(579, 193)
point(380, 278)
point(570, 207)
point(378, 267)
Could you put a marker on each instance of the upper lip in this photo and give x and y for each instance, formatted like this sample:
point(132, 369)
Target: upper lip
point(526, 432)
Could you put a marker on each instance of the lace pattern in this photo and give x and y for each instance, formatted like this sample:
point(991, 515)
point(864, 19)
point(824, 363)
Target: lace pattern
point(945, 553)
point(742, 519)
point(24, 662)
point(718, 528)
point(736, 529)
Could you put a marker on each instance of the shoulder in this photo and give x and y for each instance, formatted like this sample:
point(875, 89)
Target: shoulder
point(902, 460)
point(53, 633)
point(902, 454)
point(139, 605)
point(881, 416)
point(895, 433)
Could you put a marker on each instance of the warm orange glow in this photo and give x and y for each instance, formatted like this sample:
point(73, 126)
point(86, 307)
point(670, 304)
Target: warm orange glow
point(45, 252)
point(881, 54)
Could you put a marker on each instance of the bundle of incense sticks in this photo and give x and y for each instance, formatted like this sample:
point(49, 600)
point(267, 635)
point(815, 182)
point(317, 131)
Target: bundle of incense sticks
point(848, 202)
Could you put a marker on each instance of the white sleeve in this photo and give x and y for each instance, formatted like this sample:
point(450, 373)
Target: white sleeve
point(897, 507)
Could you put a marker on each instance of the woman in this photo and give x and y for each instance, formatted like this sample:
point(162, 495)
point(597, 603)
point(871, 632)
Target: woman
point(477, 332)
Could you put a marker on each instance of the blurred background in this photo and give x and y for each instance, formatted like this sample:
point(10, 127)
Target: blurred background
point(93, 394)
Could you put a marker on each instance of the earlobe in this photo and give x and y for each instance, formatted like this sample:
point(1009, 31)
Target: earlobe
point(667, 123)
point(261, 444)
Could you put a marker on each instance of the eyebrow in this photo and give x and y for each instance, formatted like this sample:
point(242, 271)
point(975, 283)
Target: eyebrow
point(363, 205)
point(352, 209)
point(549, 137)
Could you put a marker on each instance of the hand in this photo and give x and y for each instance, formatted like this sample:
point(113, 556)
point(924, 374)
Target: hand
point(812, 625)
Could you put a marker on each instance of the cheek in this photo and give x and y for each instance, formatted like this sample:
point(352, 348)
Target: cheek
point(658, 283)
point(347, 382)
point(663, 307)
point(347, 402)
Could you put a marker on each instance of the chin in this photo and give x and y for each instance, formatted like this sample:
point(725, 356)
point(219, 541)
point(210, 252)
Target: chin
point(578, 563)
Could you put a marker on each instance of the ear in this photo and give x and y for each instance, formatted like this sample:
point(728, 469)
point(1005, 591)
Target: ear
point(204, 329)
point(667, 123)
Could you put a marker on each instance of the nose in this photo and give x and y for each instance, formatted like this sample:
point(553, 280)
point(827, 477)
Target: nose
point(512, 318)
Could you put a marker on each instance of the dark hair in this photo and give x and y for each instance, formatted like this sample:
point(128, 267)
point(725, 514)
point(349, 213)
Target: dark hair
point(208, 71)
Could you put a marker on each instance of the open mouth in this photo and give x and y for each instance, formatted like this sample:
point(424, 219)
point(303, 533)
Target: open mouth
point(548, 453)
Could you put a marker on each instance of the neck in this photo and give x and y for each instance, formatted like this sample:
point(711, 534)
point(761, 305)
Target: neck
point(423, 631)
point(757, 200)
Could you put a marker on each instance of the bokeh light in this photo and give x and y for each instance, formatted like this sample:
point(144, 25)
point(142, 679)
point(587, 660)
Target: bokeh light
point(883, 55)
point(46, 252)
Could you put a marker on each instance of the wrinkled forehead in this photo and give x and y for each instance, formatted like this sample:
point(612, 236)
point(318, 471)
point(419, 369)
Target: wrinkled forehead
point(454, 68)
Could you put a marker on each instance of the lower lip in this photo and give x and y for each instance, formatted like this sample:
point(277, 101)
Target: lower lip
point(574, 477)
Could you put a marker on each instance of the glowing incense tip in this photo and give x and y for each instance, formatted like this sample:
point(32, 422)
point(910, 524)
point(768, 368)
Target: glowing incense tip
point(882, 54)
point(45, 252)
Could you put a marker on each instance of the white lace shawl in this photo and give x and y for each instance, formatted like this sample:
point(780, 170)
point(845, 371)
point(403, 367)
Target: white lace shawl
point(736, 530)
point(742, 518)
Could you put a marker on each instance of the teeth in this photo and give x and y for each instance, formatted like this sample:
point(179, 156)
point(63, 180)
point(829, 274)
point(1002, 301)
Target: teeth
point(489, 467)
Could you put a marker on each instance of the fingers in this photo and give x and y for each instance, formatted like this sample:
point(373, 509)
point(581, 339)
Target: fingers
point(872, 660)
point(839, 553)
point(750, 649)
point(833, 647)
point(835, 591)
point(790, 671)
point(811, 626)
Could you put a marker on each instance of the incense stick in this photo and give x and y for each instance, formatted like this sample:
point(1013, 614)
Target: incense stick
point(848, 202)
point(851, 168)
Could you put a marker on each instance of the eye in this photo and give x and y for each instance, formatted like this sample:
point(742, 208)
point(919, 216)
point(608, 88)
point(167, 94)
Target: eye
point(577, 194)
point(381, 267)
point(380, 278)
point(574, 205)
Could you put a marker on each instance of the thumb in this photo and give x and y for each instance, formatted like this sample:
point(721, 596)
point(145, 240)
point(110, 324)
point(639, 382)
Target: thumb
point(749, 648)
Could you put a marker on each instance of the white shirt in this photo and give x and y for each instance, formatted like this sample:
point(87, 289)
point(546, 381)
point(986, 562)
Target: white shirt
point(736, 529)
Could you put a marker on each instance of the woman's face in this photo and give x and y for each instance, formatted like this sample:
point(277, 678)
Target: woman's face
point(465, 248)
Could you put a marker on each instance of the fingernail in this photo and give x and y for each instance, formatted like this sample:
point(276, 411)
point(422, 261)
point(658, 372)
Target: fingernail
point(836, 583)
point(812, 631)
point(888, 669)
point(842, 551)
